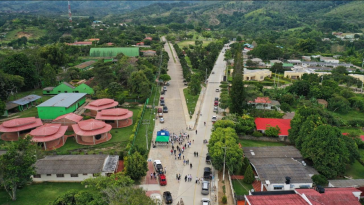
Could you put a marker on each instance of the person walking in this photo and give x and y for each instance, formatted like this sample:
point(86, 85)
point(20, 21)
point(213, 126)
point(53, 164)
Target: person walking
point(155, 176)
point(171, 151)
point(204, 123)
point(186, 178)
point(196, 154)
point(183, 157)
point(175, 156)
point(196, 132)
point(151, 175)
point(191, 166)
point(165, 170)
point(196, 180)
point(184, 162)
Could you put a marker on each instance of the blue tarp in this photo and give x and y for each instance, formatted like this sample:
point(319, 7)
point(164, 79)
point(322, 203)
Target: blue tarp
point(163, 133)
point(26, 100)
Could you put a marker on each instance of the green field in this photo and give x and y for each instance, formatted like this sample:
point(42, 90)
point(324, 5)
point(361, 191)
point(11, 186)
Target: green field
point(29, 32)
point(191, 101)
point(181, 44)
point(241, 188)
point(38, 194)
point(255, 143)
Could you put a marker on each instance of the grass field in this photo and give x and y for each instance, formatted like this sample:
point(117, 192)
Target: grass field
point(255, 143)
point(191, 101)
point(351, 130)
point(140, 139)
point(29, 32)
point(356, 170)
point(38, 194)
point(241, 188)
point(352, 114)
point(181, 44)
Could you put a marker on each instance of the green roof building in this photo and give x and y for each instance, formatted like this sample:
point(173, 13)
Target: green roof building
point(112, 52)
point(60, 104)
point(68, 88)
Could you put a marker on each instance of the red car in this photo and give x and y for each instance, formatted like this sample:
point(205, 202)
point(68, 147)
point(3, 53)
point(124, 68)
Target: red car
point(216, 103)
point(162, 180)
point(162, 98)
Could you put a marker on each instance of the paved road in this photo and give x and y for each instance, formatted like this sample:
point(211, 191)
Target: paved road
point(175, 121)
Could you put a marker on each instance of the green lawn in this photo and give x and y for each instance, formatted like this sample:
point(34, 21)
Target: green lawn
point(118, 141)
point(255, 143)
point(241, 188)
point(38, 194)
point(356, 170)
point(181, 44)
point(352, 114)
point(31, 32)
point(140, 138)
point(351, 129)
point(191, 101)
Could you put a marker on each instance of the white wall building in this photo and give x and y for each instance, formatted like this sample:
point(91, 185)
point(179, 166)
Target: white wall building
point(74, 168)
point(298, 71)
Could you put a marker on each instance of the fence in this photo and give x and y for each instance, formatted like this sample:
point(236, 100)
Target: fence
point(232, 188)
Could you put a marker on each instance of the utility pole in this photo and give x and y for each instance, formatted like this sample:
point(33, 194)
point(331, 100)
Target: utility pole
point(147, 123)
point(223, 173)
point(206, 75)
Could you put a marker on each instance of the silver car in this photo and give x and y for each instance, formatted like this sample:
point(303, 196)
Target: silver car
point(161, 120)
point(205, 188)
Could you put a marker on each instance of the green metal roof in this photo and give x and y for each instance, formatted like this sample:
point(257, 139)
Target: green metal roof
point(285, 64)
point(112, 52)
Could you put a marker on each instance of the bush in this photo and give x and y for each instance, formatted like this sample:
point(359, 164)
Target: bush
point(121, 155)
point(319, 179)
point(224, 85)
point(356, 122)
point(224, 199)
point(249, 175)
point(272, 131)
point(257, 134)
point(285, 107)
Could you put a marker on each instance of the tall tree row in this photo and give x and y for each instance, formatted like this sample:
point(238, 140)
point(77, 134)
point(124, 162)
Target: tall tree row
point(237, 93)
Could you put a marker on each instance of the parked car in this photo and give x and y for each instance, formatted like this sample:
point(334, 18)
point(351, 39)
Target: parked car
point(161, 120)
point(208, 159)
point(165, 109)
point(207, 174)
point(164, 88)
point(162, 93)
point(213, 71)
point(167, 197)
point(162, 180)
point(215, 109)
point(168, 84)
point(216, 99)
point(162, 103)
point(216, 103)
point(205, 201)
point(214, 118)
point(205, 188)
point(217, 90)
point(158, 166)
point(160, 114)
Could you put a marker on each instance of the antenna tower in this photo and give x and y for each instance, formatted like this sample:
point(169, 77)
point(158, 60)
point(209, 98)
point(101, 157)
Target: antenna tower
point(69, 12)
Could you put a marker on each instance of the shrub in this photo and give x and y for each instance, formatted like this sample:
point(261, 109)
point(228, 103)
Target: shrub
point(319, 179)
point(224, 199)
point(356, 122)
point(257, 134)
point(285, 107)
point(272, 131)
point(249, 175)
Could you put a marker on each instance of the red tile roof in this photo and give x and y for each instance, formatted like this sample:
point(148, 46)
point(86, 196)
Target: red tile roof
point(286, 199)
point(101, 104)
point(80, 43)
point(70, 116)
point(48, 132)
point(149, 38)
point(332, 196)
point(264, 100)
point(114, 114)
point(20, 124)
point(91, 127)
point(283, 124)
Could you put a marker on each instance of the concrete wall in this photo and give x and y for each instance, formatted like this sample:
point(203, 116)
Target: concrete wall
point(66, 178)
point(286, 187)
point(265, 139)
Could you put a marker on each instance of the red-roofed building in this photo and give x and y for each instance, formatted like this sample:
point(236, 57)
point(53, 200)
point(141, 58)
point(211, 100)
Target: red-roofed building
point(149, 53)
point(117, 117)
point(50, 136)
point(80, 43)
point(68, 120)
point(110, 44)
point(13, 129)
point(264, 103)
point(331, 196)
point(148, 38)
point(91, 132)
point(101, 104)
point(284, 124)
point(140, 44)
point(284, 199)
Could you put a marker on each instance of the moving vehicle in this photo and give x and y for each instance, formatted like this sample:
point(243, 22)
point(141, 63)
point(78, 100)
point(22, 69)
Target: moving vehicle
point(205, 188)
point(167, 197)
point(217, 90)
point(214, 118)
point(164, 88)
point(158, 166)
point(207, 174)
point(165, 109)
point(205, 201)
point(208, 158)
point(162, 180)
point(161, 120)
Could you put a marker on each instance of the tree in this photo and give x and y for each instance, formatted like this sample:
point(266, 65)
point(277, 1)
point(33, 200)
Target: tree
point(245, 125)
point(224, 124)
point(326, 148)
point(136, 166)
point(352, 148)
point(266, 52)
point(9, 84)
point(165, 77)
point(341, 70)
point(16, 165)
point(103, 182)
point(127, 196)
point(2, 107)
point(139, 84)
point(306, 45)
point(339, 104)
point(272, 131)
point(48, 76)
point(285, 107)
point(237, 94)
point(319, 179)
point(250, 63)
point(245, 165)
point(54, 54)
point(195, 84)
point(114, 89)
point(249, 175)
point(277, 68)
point(76, 197)
point(300, 87)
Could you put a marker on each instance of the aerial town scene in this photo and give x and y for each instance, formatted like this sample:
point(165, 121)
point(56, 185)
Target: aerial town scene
point(181, 102)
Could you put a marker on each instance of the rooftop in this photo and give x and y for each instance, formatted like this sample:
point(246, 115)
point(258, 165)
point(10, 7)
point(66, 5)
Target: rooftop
point(283, 124)
point(19, 124)
point(48, 132)
point(101, 104)
point(70, 116)
point(91, 127)
point(347, 183)
point(27, 99)
point(262, 100)
point(76, 164)
point(63, 100)
point(85, 64)
point(287, 199)
point(332, 196)
point(114, 114)
point(272, 152)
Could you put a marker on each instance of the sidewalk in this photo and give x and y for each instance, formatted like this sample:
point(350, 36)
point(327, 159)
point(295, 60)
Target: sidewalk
point(191, 122)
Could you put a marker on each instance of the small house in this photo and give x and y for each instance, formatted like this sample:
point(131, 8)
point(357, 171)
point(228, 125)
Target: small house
point(49, 136)
point(117, 117)
point(60, 104)
point(85, 65)
point(263, 123)
point(148, 38)
point(14, 129)
point(295, 62)
point(264, 103)
point(149, 53)
point(68, 88)
point(101, 104)
point(68, 120)
point(80, 43)
point(92, 132)
point(20, 104)
point(74, 168)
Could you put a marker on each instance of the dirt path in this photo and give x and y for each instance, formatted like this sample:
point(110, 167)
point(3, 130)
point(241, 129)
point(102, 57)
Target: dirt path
point(228, 192)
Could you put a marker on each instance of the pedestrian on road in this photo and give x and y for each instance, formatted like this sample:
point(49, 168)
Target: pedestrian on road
point(186, 178)
point(165, 170)
point(204, 123)
point(171, 151)
point(196, 154)
point(184, 162)
point(196, 132)
point(183, 156)
point(191, 166)
point(151, 175)
point(177, 176)
point(196, 180)
point(193, 141)
point(174, 152)
point(188, 136)
point(175, 156)
point(154, 176)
